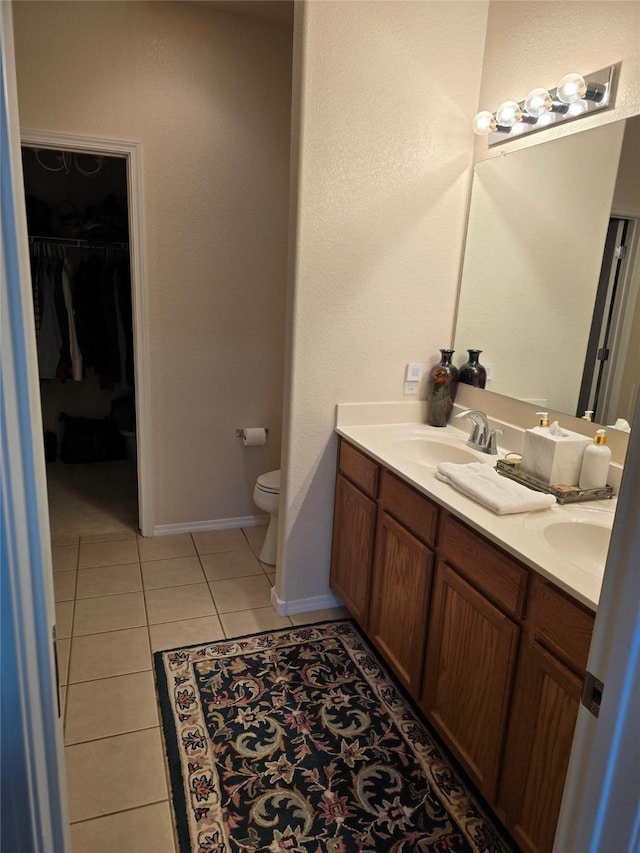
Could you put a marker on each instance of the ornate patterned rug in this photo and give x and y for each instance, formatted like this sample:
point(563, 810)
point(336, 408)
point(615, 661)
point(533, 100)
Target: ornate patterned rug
point(299, 740)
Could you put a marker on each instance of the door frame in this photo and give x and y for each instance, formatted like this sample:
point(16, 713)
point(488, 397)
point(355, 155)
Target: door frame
point(630, 303)
point(132, 153)
point(34, 796)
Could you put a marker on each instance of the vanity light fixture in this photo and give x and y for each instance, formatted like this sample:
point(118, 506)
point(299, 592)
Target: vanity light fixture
point(574, 97)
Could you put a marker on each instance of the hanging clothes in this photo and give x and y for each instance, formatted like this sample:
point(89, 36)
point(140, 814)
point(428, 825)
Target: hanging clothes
point(97, 318)
point(49, 337)
point(83, 315)
point(74, 347)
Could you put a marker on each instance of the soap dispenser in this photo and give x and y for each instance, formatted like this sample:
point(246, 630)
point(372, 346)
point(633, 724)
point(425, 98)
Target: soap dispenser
point(544, 419)
point(595, 463)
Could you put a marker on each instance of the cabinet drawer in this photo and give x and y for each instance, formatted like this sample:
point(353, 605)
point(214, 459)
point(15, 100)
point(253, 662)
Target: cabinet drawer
point(489, 569)
point(560, 624)
point(361, 470)
point(409, 507)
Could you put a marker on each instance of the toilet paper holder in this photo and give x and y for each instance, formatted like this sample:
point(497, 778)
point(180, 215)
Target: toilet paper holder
point(240, 432)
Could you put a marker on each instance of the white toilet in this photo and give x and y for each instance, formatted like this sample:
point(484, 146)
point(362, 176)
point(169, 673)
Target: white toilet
point(266, 496)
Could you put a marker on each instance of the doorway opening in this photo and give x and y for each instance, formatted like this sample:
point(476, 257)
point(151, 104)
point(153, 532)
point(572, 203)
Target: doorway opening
point(84, 224)
point(609, 388)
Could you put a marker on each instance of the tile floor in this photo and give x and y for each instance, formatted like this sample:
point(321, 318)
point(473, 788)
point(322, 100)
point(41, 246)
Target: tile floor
point(120, 597)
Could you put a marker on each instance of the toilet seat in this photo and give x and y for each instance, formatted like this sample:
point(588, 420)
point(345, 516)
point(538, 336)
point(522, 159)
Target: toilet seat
point(269, 483)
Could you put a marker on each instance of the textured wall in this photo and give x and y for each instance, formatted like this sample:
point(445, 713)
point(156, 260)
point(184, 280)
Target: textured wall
point(382, 202)
point(207, 93)
point(535, 42)
point(387, 93)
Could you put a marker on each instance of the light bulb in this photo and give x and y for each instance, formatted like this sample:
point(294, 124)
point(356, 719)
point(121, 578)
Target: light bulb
point(538, 102)
point(508, 113)
point(571, 88)
point(483, 123)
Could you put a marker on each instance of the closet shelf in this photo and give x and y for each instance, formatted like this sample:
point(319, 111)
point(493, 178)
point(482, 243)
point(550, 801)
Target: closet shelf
point(80, 243)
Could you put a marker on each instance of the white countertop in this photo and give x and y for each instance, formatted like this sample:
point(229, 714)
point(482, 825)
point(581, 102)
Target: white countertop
point(520, 534)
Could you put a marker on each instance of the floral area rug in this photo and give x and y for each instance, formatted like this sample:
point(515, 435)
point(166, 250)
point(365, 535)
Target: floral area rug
point(298, 740)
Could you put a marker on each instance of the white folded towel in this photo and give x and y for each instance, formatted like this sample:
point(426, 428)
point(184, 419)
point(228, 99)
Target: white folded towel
point(483, 483)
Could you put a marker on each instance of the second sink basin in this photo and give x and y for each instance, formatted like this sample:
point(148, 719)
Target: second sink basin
point(432, 451)
point(581, 536)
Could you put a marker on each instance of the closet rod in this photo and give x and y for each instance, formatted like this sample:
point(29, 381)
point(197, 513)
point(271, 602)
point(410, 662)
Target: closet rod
point(68, 241)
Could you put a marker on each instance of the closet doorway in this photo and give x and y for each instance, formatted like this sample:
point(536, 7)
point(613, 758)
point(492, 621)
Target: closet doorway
point(83, 205)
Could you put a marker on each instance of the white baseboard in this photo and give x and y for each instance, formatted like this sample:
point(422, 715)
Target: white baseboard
point(213, 524)
point(303, 605)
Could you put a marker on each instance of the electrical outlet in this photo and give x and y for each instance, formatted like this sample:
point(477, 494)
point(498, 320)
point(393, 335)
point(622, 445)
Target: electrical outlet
point(490, 370)
point(410, 388)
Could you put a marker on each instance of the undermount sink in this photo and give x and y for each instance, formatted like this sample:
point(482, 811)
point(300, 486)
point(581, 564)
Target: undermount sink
point(581, 537)
point(431, 452)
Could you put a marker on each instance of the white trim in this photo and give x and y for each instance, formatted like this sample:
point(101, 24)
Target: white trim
point(132, 152)
point(600, 804)
point(628, 302)
point(213, 524)
point(303, 605)
point(36, 764)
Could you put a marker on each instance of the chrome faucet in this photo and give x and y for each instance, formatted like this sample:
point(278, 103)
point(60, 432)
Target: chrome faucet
point(481, 437)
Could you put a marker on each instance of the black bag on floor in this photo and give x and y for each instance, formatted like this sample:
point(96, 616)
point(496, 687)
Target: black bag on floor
point(50, 446)
point(91, 440)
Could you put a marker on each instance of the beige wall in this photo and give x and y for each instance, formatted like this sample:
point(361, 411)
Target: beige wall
point(626, 198)
point(387, 94)
point(535, 42)
point(207, 93)
point(383, 180)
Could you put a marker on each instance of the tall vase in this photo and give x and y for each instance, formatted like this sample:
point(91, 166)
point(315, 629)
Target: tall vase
point(472, 372)
point(443, 384)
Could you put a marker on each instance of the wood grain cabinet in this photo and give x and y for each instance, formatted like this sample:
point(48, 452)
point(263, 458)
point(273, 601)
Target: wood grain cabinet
point(494, 654)
point(546, 699)
point(402, 575)
point(354, 526)
point(472, 650)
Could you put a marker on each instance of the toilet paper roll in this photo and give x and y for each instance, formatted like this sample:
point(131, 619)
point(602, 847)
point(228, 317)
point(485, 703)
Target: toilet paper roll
point(254, 436)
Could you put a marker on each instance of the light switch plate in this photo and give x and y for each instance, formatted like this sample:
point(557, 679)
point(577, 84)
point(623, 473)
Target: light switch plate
point(413, 373)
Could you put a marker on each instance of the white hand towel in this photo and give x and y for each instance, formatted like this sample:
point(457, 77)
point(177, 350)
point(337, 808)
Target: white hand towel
point(483, 483)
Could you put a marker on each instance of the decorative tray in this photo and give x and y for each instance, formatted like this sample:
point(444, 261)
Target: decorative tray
point(563, 494)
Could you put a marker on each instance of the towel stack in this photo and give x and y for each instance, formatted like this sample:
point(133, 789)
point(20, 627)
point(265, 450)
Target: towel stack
point(483, 484)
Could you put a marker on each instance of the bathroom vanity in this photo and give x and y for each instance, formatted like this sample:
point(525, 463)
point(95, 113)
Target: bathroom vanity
point(483, 626)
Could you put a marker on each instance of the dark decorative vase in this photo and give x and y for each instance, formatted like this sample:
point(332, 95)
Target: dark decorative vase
point(443, 384)
point(472, 372)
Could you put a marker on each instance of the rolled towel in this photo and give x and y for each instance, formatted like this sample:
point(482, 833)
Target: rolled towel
point(499, 494)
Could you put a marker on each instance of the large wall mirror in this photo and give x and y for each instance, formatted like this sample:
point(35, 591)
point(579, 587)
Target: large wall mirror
point(544, 292)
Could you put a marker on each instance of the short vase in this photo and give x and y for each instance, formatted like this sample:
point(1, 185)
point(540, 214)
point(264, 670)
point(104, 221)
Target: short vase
point(472, 372)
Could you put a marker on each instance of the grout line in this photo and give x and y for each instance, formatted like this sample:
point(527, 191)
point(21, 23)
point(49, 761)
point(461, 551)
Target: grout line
point(104, 677)
point(108, 677)
point(107, 566)
point(121, 811)
point(114, 734)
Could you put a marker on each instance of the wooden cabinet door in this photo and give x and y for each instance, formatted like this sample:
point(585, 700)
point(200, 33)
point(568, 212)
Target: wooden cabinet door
point(545, 708)
point(403, 568)
point(354, 525)
point(469, 672)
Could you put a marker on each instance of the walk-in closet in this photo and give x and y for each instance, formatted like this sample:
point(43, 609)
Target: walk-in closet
point(77, 217)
